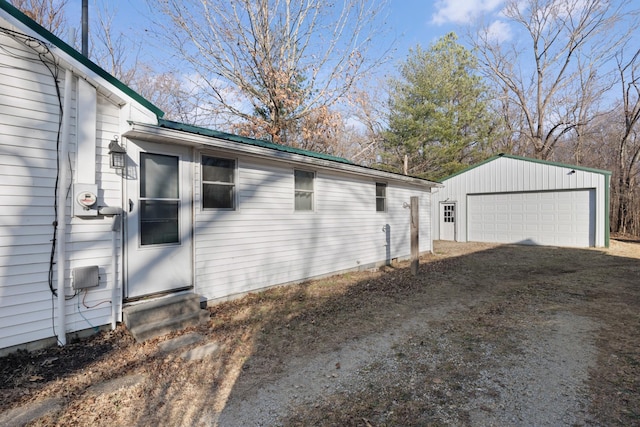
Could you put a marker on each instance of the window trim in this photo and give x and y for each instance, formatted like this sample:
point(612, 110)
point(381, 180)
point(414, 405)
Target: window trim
point(234, 184)
point(383, 197)
point(312, 192)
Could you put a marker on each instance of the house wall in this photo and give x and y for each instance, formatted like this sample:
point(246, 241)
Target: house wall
point(265, 242)
point(505, 174)
point(29, 118)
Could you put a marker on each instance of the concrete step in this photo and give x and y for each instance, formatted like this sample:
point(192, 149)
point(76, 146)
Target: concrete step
point(160, 308)
point(158, 317)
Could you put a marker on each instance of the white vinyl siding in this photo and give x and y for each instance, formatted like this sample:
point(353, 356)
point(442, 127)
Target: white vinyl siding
point(267, 243)
point(89, 241)
point(29, 114)
point(28, 124)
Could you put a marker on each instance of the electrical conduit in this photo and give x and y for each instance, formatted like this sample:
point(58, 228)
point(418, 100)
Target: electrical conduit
point(62, 206)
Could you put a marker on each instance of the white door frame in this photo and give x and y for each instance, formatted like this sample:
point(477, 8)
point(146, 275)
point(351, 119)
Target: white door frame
point(158, 268)
point(448, 229)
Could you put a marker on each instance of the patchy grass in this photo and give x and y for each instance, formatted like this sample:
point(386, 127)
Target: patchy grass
point(470, 310)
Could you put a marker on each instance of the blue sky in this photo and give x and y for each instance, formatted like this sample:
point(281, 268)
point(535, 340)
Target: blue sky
point(410, 22)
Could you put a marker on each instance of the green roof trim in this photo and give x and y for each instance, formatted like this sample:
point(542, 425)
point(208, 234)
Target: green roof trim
point(169, 124)
point(54, 40)
point(527, 159)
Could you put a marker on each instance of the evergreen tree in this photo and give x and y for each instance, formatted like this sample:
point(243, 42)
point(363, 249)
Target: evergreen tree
point(439, 112)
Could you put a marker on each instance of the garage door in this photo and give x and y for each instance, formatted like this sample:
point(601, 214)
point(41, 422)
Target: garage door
point(555, 218)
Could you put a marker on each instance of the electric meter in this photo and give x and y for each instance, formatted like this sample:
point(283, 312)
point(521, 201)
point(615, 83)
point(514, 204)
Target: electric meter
point(87, 199)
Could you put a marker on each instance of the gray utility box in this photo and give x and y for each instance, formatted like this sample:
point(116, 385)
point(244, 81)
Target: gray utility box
point(85, 277)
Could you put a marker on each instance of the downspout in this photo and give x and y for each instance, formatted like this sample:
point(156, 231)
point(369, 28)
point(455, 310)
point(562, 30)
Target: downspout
point(62, 206)
point(114, 270)
point(115, 228)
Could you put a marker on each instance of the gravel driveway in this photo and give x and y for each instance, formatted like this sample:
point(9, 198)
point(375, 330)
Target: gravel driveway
point(542, 384)
point(485, 335)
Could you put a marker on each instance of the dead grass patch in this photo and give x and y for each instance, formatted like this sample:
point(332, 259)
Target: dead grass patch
point(479, 300)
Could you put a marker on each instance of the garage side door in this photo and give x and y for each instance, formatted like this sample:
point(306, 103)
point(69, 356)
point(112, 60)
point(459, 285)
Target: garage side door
point(554, 218)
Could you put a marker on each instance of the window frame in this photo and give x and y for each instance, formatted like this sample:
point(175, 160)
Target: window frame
point(449, 213)
point(383, 197)
point(233, 185)
point(312, 191)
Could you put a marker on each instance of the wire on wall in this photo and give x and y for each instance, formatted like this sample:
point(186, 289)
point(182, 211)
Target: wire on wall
point(46, 58)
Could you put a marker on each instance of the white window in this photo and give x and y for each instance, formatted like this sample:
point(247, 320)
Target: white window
point(218, 183)
point(449, 213)
point(381, 197)
point(303, 190)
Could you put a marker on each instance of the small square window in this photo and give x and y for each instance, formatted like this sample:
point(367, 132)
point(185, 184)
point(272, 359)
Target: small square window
point(303, 190)
point(218, 183)
point(381, 197)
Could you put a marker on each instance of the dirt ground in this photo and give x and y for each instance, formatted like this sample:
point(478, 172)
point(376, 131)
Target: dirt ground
point(486, 335)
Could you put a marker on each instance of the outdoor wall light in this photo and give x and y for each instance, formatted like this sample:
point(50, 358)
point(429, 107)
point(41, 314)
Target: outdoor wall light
point(116, 154)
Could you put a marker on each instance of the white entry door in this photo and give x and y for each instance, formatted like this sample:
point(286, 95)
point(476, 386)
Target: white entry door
point(158, 219)
point(447, 221)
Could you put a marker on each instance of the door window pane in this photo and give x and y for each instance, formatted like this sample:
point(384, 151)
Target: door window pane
point(158, 176)
point(449, 213)
point(159, 222)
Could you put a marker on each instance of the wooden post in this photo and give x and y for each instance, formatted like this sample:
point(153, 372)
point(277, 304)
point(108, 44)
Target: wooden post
point(415, 227)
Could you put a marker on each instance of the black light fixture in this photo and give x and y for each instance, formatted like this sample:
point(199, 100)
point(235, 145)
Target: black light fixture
point(116, 154)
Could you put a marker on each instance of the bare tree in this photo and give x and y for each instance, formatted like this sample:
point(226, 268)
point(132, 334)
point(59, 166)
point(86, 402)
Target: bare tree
point(626, 185)
point(551, 79)
point(118, 53)
point(369, 110)
point(48, 13)
point(270, 65)
point(111, 49)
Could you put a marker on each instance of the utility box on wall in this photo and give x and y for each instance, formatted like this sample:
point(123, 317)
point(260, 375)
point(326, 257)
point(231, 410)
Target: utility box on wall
point(85, 277)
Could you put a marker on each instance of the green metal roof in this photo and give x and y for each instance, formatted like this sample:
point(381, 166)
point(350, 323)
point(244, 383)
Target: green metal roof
point(256, 142)
point(527, 159)
point(54, 40)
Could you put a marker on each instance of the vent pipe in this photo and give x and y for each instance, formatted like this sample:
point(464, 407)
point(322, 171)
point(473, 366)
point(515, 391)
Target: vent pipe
point(85, 28)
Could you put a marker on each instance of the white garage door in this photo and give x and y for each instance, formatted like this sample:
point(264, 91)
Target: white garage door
point(554, 218)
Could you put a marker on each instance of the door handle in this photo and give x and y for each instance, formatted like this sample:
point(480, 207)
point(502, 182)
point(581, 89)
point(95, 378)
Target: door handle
point(130, 205)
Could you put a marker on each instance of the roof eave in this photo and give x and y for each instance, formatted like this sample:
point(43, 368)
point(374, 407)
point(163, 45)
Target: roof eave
point(154, 133)
point(526, 159)
point(69, 56)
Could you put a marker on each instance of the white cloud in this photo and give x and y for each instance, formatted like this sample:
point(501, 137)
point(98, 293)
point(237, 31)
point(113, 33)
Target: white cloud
point(499, 31)
point(462, 11)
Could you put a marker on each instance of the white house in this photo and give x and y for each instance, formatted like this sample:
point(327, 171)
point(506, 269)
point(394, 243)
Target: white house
point(190, 210)
point(510, 199)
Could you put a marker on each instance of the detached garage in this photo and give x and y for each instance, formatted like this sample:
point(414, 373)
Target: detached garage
point(510, 199)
